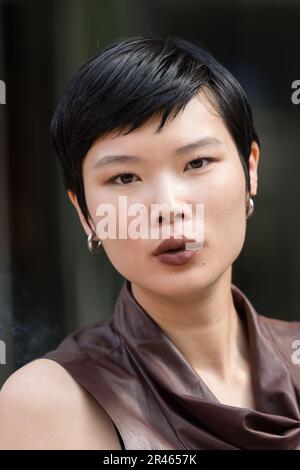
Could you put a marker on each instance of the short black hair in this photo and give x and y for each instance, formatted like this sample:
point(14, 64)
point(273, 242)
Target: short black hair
point(128, 82)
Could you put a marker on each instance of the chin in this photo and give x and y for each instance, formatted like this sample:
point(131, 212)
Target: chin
point(182, 286)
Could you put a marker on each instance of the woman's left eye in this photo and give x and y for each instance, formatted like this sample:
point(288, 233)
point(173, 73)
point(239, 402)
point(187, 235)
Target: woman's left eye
point(199, 160)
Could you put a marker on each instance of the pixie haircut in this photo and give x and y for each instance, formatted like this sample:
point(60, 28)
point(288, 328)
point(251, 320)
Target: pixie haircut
point(131, 80)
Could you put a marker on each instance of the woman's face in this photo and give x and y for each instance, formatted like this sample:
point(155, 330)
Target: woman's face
point(162, 175)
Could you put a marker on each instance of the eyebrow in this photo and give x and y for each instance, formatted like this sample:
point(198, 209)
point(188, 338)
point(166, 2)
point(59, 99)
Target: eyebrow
point(114, 159)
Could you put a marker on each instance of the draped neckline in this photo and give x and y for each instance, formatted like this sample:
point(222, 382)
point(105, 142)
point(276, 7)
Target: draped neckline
point(198, 414)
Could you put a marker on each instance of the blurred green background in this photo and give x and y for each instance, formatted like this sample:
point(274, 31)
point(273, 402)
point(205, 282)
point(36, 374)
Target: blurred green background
point(49, 283)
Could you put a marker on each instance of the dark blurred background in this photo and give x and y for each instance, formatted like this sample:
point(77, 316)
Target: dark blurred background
point(49, 283)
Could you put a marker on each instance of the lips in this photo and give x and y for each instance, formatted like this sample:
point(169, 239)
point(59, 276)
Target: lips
point(171, 244)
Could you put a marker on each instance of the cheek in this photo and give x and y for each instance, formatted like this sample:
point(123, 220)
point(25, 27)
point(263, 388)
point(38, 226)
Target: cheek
point(127, 256)
point(225, 215)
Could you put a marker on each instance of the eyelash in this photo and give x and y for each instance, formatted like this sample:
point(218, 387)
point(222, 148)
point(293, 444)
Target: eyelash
point(127, 173)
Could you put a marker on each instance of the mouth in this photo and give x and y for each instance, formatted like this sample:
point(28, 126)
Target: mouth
point(177, 252)
point(177, 257)
point(175, 245)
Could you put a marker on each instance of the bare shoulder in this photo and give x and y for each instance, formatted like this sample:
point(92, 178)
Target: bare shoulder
point(43, 407)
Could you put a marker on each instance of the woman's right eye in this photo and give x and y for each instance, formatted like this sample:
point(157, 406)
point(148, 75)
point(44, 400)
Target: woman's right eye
point(125, 177)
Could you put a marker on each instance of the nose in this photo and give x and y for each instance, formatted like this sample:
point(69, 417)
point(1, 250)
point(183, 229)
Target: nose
point(171, 216)
point(169, 205)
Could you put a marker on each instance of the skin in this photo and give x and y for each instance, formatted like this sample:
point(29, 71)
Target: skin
point(210, 334)
point(43, 407)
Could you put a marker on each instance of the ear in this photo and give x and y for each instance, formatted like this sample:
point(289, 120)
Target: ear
point(73, 199)
point(253, 167)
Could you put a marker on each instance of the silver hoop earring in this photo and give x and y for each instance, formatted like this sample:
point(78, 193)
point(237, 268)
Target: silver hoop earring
point(250, 208)
point(94, 246)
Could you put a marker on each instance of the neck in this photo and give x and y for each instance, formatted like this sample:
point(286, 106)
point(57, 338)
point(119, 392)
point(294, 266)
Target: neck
point(210, 335)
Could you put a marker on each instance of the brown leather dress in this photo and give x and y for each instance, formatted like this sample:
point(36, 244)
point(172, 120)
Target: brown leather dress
point(156, 400)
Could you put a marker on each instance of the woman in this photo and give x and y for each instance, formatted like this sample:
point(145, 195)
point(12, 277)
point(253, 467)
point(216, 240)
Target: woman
point(186, 362)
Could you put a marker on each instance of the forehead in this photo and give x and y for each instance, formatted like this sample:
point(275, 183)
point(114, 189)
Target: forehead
point(198, 119)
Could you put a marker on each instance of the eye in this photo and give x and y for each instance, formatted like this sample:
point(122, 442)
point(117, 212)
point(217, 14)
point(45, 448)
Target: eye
point(198, 161)
point(125, 178)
